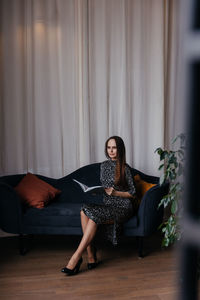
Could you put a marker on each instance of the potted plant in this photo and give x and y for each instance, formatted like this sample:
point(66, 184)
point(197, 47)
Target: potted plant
point(172, 165)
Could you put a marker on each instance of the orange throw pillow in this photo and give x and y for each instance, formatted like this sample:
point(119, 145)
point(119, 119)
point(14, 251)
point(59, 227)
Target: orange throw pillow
point(36, 192)
point(141, 186)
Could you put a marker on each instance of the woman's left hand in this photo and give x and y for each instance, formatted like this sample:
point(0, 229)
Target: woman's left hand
point(109, 191)
point(112, 192)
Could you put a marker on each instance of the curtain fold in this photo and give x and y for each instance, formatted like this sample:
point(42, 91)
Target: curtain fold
point(74, 72)
point(126, 76)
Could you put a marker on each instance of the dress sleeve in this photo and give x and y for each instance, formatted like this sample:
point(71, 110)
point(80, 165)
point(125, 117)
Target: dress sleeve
point(129, 178)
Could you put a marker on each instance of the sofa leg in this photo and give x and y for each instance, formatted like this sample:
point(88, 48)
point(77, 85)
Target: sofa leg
point(140, 246)
point(22, 249)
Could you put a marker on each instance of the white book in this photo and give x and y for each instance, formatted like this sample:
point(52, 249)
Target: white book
point(93, 189)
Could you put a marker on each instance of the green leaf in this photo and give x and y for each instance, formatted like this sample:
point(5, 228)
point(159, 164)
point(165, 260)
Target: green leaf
point(162, 179)
point(159, 150)
point(173, 168)
point(172, 160)
point(174, 207)
point(166, 242)
point(163, 155)
point(161, 166)
point(175, 139)
point(172, 175)
point(163, 243)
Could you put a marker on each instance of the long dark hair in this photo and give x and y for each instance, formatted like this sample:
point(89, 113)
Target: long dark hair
point(120, 178)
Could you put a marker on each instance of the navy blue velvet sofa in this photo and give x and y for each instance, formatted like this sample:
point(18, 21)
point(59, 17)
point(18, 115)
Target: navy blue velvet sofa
point(62, 216)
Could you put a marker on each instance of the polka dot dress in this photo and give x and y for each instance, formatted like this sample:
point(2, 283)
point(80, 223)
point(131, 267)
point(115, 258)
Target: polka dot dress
point(115, 210)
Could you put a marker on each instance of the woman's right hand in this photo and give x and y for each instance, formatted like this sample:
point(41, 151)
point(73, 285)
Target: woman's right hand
point(109, 191)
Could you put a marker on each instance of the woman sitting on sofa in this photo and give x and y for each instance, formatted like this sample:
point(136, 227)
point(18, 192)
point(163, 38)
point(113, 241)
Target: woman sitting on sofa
point(118, 205)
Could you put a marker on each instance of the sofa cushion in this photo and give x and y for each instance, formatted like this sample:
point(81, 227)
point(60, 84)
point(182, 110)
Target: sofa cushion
point(141, 187)
point(35, 192)
point(58, 214)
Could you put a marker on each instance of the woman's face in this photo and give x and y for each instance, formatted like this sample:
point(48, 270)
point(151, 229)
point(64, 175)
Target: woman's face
point(112, 149)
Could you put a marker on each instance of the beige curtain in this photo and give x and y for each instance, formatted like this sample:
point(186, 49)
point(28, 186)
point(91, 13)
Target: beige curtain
point(74, 72)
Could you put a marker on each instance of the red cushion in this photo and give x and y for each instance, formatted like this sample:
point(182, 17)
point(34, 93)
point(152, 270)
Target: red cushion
point(36, 192)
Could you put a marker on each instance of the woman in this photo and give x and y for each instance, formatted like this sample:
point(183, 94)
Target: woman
point(117, 180)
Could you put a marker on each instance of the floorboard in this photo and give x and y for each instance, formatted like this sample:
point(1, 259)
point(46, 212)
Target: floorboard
point(121, 275)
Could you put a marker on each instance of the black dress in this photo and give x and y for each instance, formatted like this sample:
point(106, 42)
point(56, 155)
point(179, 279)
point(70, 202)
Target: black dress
point(115, 210)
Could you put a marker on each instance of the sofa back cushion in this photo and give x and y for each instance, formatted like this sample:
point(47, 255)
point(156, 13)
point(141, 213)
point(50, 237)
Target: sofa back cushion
point(35, 192)
point(141, 187)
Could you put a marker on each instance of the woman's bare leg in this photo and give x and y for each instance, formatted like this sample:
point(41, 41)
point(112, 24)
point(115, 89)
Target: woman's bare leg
point(84, 222)
point(89, 234)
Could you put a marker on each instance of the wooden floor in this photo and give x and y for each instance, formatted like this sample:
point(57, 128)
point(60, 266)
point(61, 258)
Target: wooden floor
point(121, 275)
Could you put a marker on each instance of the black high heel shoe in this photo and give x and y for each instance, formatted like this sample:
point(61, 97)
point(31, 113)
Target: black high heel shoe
point(94, 264)
point(74, 271)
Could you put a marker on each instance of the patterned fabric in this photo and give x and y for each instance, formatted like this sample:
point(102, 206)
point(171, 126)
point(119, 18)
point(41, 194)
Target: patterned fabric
point(115, 210)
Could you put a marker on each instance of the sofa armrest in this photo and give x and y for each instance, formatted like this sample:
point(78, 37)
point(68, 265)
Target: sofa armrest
point(10, 209)
point(149, 215)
